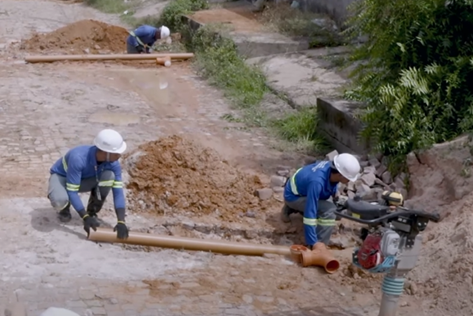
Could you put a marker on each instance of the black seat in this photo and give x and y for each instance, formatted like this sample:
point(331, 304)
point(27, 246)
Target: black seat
point(366, 210)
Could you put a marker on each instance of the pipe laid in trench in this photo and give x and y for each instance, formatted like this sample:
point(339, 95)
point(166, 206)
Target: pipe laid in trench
point(218, 246)
point(47, 59)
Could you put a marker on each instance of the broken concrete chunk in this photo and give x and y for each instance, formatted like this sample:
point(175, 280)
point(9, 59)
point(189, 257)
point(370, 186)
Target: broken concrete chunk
point(283, 173)
point(342, 187)
point(264, 194)
point(386, 177)
point(381, 183)
point(277, 181)
point(350, 194)
point(374, 162)
point(331, 155)
point(369, 169)
point(278, 189)
point(399, 183)
point(364, 164)
point(351, 186)
point(361, 188)
point(412, 161)
point(368, 179)
point(380, 170)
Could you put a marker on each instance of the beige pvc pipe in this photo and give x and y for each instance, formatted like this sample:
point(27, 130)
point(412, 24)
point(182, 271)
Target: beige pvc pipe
point(219, 246)
point(45, 59)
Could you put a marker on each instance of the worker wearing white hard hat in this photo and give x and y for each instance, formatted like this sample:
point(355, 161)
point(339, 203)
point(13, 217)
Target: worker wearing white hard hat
point(90, 168)
point(143, 38)
point(308, 192)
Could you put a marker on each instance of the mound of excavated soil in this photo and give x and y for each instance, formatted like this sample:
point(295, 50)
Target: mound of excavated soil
point(79, 37)
point(175, 175)
point(441, 181)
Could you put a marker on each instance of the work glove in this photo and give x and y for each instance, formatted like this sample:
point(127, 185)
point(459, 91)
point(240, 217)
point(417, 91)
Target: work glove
point(121, 229)
point(90, 222)
point(139, 49)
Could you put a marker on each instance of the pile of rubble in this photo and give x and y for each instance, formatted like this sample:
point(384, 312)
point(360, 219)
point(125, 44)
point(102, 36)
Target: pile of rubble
point(375, 179)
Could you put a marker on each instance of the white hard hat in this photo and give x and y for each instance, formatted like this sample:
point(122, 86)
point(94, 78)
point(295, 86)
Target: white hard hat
point(110, 141)
point(165, 32)
point(348, 166)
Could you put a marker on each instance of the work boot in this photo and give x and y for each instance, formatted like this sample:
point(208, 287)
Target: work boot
point(286, 211)
point(94, 205)
point(65, 214)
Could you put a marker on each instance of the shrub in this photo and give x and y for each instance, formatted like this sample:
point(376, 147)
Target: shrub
point(173, 12)
point(415, 72)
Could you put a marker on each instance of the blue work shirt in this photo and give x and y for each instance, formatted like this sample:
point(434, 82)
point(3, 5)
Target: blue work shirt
point(80, 163)
point(147, 35)
point(313, 182)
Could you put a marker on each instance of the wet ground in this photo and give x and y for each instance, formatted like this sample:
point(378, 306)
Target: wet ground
point(47, 108)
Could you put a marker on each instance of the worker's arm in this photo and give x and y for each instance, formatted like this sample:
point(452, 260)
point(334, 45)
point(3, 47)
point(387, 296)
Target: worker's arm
point(73, 178)
point(310, 213)
point(117, 189)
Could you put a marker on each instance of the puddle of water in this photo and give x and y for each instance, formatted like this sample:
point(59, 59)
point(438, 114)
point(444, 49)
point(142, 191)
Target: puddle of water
point(117, 118)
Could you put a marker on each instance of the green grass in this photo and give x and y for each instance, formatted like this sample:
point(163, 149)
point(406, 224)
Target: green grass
point(217, 59)
point(300, 129)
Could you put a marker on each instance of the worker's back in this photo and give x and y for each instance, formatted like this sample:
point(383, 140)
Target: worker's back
point(317, 172)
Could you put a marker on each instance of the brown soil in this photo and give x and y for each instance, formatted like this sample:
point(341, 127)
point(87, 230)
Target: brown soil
point(176, 175)
point(94, 36)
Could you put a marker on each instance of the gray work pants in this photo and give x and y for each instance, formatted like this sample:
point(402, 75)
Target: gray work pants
point(130, 49)
point(59, 198)
point(325, 216)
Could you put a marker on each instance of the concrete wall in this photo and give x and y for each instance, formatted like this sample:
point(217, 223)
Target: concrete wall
point(338, 124)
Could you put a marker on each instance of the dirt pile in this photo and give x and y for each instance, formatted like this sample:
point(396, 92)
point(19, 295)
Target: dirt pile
point(85, 36)
point(174, 175)
point(441, 181)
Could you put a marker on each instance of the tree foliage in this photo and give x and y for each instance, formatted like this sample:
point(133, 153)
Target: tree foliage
point(415, 71)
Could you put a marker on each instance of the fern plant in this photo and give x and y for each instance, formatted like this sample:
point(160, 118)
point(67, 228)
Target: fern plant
point(415, 71)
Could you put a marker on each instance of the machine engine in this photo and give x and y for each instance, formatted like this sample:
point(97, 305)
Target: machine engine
point(378, 251)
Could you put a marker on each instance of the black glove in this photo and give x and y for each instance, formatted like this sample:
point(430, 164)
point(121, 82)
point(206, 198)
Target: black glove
point(139, 49)
point(122, 230)
point(89, 222)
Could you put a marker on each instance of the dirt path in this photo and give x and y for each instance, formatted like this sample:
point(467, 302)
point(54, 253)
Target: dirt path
point(46, 109)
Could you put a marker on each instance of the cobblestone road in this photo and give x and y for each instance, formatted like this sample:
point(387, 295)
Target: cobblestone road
point(46, 109)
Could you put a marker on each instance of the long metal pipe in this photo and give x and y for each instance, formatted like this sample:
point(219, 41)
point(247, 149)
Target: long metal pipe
point(218, 246)
point(45, 59)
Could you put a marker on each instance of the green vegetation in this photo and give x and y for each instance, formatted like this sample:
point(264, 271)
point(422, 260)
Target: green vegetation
point(218, 60)
point(173, 12)
point(415, 72)
point(299, 128)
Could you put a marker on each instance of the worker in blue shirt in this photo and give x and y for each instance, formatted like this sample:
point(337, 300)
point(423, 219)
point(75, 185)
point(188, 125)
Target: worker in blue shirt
point(93, 169)
point(143, 38)
point(308, 190)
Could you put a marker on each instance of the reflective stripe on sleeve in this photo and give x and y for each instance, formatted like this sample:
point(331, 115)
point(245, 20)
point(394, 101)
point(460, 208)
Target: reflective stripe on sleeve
point(72, 187)
point(293, 183)
point(310, 221)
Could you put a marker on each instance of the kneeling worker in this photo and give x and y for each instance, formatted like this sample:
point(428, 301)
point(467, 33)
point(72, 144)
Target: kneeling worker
point(143, 38)
point(308, 190)
point(93, 169)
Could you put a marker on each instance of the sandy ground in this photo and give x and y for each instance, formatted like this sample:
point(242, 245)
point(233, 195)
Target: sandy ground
point(47, 108)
